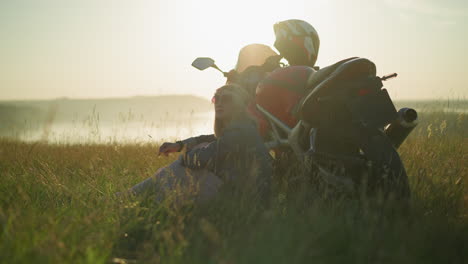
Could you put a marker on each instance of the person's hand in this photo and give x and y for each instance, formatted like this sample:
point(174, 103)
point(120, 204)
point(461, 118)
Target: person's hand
point(168, 147)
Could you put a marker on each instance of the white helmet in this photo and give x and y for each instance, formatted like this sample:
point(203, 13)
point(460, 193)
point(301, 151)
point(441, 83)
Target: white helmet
point(297, 41)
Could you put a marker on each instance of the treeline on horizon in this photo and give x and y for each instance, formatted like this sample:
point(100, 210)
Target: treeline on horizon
point(23, 114)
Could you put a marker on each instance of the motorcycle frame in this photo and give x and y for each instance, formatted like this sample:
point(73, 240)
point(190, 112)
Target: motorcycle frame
point(276, 126)
point(279, 141)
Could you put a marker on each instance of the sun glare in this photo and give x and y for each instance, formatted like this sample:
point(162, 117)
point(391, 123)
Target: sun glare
point(219, 30)
point(224, 33)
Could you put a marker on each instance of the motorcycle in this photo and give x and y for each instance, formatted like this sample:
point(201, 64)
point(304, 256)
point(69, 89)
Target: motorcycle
point(339, 120)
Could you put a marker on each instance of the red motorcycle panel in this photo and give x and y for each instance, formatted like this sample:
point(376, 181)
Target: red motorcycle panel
point(281, 91)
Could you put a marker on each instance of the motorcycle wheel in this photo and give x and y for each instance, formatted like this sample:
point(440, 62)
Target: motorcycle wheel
point(376, 170)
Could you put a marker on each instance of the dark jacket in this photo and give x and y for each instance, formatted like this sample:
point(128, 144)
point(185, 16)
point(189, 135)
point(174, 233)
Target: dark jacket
point(193, 141)
point(238, 152)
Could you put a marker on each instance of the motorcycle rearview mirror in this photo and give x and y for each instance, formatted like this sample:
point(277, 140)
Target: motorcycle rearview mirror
point(203, 63)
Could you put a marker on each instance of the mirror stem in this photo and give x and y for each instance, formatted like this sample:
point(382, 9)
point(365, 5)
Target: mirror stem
point(216, 67)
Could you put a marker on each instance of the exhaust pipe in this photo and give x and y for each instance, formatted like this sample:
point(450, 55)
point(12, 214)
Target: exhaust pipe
point(400, 128)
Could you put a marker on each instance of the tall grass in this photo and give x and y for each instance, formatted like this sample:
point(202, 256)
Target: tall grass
point(57, 205)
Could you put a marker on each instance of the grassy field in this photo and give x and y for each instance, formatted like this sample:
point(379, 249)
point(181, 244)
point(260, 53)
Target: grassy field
point(57, 206)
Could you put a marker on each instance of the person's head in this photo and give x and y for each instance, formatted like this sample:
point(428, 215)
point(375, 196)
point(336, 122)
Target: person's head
point(231, 102)
point(297, 41)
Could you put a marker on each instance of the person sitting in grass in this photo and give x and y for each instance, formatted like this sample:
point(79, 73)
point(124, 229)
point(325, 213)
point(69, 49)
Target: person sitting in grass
point(235, 154)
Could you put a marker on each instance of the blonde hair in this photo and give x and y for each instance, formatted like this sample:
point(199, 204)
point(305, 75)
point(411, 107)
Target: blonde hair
point(240, 99)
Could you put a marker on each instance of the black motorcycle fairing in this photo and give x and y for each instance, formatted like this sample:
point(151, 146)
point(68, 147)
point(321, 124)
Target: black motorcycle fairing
point(352, 87)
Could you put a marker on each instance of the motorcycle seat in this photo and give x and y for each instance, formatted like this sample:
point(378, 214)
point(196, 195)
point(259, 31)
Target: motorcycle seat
point(322, 83)
point(323, 73)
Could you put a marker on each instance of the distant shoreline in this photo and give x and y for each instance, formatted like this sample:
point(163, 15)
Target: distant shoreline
point(196, 97)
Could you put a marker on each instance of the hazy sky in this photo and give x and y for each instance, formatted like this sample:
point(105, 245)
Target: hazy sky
point(92, 48)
